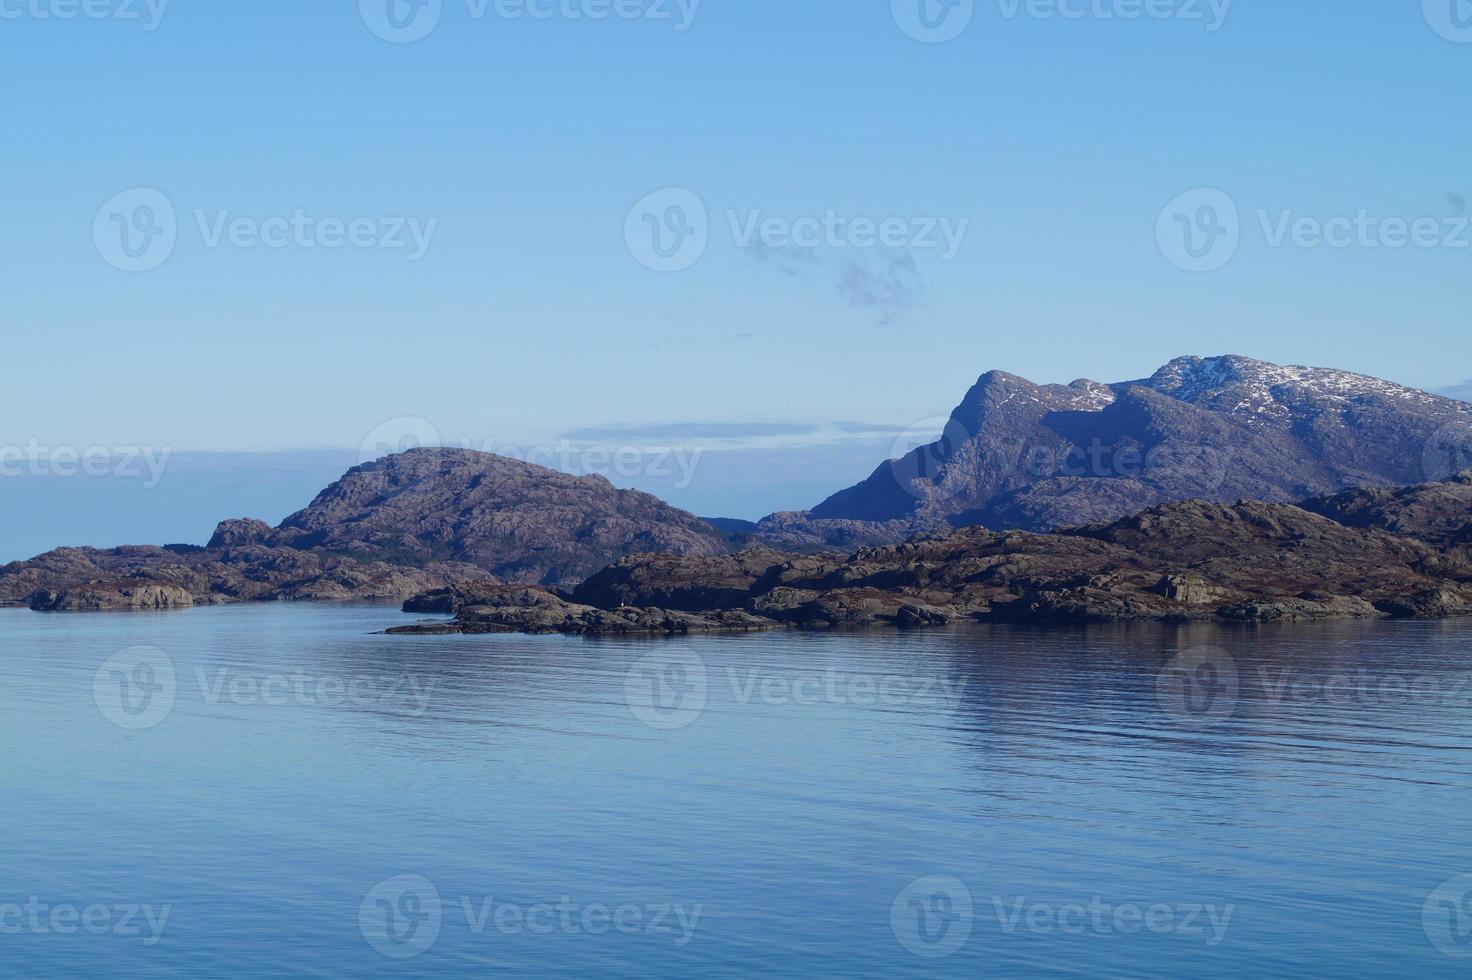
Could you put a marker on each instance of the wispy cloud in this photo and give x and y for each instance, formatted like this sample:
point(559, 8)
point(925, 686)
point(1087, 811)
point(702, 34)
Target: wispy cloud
point(717, 436)
point(888, 283)
point(694, 430)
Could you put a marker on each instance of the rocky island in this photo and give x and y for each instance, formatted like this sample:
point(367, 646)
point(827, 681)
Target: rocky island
point(388, 529)
point(1359, 554)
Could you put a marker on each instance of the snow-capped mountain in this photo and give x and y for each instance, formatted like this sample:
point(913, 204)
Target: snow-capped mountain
point(1016, 454)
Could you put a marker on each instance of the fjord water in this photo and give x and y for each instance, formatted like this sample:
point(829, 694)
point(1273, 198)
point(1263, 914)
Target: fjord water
point(309, 799)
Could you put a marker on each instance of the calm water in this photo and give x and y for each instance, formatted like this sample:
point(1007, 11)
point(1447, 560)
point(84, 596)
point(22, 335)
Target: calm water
point(301, 797)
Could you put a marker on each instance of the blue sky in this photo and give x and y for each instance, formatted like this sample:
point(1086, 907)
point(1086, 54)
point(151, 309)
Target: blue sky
point(524, 143)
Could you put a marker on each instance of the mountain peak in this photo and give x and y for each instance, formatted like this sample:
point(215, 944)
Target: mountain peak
point(1257, 385)
point(1219, 428)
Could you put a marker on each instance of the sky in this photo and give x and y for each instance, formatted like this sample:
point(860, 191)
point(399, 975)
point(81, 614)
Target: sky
point(283, 226)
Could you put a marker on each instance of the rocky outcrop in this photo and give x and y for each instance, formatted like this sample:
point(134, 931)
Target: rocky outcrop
point(512, 609)
point(389, 529)
point(519, 522)
point(167, 578)
point(1039, 457)
point(1437, 512)
point(122, 596)
point(1183, 562)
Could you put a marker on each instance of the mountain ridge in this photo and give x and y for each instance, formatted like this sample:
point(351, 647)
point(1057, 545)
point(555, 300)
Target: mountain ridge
point(1036, 457)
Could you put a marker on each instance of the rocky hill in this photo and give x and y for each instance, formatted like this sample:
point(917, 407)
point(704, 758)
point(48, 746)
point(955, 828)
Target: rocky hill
point(387, 529)
point(1351, 555)
point(1037, 457)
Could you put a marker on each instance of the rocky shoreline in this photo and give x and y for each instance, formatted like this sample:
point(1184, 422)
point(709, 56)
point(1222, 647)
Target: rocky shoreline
point(1360, 554)
point(504, 547)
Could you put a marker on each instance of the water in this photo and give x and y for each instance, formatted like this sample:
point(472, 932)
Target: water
point(991, 801)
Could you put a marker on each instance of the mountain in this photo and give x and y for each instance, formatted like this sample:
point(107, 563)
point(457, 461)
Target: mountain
point(1355, 555)
point(386, 529)
point(521, 522)
point(1019, 455)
